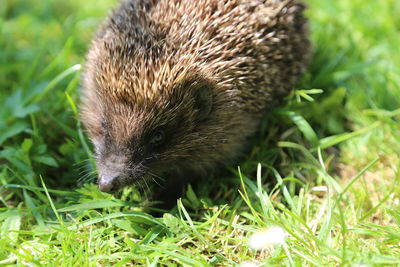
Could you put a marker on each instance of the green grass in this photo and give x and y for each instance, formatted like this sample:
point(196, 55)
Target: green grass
point(324, 166)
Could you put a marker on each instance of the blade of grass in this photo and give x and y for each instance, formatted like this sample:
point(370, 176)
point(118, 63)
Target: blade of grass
point(53, 207)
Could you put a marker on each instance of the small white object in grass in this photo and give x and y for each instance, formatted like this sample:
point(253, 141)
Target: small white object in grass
point(320, 188)
point(272, 236)
point(248, 264)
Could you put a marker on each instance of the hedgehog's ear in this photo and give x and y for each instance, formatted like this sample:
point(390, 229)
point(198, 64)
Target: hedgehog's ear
point(202, 92)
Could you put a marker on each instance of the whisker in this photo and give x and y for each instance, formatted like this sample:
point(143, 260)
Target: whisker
point(142, 188)
point(147, 186)
point(90, 176)
point(82, 162)
point(156, 176)
point(155, 181)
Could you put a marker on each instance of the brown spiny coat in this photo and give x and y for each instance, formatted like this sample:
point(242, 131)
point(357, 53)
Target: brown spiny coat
point(196, 75)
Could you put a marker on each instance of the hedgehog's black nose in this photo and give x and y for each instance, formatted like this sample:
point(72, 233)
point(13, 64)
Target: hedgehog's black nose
point(107, 183)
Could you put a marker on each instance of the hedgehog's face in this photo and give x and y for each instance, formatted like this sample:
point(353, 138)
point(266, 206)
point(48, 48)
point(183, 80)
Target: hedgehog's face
point(144, 138)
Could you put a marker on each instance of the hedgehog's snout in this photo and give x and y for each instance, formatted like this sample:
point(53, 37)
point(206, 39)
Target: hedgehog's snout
point(109, 179)
point(111, 171)
point(108, 183)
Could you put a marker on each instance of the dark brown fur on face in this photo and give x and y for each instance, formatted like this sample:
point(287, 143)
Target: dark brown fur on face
point(174, 87)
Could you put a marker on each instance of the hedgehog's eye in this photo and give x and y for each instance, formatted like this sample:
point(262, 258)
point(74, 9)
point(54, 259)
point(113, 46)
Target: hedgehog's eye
point(157, 138)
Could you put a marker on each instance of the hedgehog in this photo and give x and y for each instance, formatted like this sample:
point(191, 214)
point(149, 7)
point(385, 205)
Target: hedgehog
point(175, 88)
